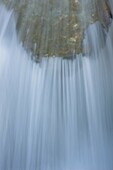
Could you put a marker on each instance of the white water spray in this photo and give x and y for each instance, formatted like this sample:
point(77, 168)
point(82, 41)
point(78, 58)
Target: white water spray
point(57, 114)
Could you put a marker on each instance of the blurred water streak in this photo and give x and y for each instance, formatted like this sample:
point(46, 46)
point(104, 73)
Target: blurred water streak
point(56, 114)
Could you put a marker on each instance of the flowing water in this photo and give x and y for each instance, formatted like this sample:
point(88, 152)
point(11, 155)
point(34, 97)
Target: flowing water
point(56, 114)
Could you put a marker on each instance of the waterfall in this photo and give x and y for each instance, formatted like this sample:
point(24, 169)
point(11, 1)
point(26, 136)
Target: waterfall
point(56, 114)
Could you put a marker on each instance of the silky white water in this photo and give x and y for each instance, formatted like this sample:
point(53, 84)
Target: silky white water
point(56, 114)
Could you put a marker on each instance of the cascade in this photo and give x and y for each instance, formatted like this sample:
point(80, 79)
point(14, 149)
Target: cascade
point(56, 114)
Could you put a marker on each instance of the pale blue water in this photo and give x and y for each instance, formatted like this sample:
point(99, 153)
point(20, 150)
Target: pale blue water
point(56, 114)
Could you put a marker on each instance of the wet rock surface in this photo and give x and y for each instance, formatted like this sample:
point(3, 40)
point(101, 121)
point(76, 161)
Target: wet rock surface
point(55, 27)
